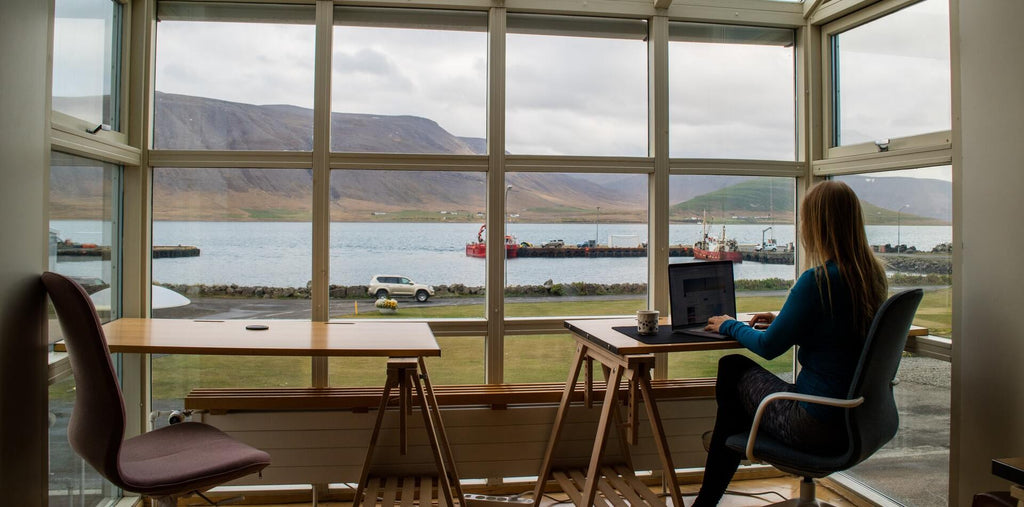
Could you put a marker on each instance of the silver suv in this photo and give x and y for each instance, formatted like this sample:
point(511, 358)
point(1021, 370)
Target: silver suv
point(389, 286)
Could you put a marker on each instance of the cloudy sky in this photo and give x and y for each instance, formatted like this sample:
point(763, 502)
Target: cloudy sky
point(565, 95)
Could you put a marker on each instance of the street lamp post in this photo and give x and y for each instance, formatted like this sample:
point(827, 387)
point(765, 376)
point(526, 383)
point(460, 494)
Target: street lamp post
point(597, 220)
point(898, 226)
point(504, 249)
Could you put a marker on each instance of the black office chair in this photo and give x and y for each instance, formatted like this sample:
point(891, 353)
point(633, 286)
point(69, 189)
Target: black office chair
point(165, 464)
point(871, 415)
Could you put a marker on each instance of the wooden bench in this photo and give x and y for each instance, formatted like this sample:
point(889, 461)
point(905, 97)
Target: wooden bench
point(360, 399)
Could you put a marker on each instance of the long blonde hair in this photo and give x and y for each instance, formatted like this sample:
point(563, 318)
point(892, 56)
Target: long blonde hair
point(832, 229)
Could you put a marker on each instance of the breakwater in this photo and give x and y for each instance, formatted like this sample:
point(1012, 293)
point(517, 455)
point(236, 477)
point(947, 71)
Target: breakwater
point(779, 257)
point(103, 252)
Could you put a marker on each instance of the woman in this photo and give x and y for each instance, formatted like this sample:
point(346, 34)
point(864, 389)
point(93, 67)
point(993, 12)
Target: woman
point(828, 313)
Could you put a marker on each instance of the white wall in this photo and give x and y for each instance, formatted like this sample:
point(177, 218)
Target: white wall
point(23, 169)
point(988, 371)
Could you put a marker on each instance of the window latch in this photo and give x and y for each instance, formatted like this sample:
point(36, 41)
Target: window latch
point(102, 126)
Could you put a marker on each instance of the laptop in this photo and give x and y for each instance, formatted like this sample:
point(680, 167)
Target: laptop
point(697, 291)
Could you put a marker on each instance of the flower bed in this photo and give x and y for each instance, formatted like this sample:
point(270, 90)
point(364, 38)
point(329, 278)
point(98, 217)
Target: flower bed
point(385, 305)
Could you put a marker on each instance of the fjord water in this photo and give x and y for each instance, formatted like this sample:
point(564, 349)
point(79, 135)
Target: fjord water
point(279, 254)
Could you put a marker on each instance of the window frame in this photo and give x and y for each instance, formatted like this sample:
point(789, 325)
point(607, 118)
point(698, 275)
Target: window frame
point(869, 156)
point(656, 165)
point(73, 127)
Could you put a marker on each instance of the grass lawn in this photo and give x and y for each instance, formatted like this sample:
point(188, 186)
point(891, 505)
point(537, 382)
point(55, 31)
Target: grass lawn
point(528, 358)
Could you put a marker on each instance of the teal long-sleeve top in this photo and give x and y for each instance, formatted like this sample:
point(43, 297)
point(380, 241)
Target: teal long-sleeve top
point(829, 339)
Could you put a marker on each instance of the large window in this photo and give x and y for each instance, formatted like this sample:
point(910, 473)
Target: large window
point(85, 244)
point(576, 86)
point(893, 76)
point(241, 242)
point(215, 91)
point(87, 60)
point(409, 81)
point(732, 92)
point(908, 218)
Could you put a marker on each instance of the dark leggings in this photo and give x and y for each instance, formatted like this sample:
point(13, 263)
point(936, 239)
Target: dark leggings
point(741, 386)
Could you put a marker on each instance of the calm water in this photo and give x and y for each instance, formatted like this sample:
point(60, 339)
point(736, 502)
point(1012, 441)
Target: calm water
point(280, 254)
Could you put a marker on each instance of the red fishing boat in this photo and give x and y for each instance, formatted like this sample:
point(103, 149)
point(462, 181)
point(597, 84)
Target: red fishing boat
point(716, 248)
point(479, 248)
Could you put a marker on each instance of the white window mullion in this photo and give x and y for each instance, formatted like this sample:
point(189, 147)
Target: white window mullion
point(494, 342)
point(322, 175)
point(658, 181)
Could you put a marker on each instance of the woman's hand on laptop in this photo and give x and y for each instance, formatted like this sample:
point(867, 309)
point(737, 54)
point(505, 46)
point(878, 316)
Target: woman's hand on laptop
point(761, 320)
point(715, 322)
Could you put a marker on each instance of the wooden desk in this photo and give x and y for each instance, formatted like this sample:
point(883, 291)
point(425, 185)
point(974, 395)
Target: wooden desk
point(283, 338)
point(405, 344)
point(596, 340)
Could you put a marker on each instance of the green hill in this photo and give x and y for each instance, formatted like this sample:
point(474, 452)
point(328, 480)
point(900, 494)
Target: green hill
point(752, 200)
point(761, 200)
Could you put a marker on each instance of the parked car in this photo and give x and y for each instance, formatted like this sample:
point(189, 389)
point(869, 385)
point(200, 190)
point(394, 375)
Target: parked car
point(767, 246)
point(590, 243)
point(555, 243)
point(390, 286)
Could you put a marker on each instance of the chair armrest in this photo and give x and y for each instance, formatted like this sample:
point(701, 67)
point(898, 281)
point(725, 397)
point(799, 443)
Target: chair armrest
point(809, 398)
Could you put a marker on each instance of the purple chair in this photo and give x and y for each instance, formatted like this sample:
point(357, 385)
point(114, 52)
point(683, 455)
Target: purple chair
point(165, 464)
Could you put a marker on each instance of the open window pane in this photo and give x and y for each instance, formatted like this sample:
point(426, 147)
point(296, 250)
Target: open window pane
point(214, 92)
point(87, 60)
point(893, 76)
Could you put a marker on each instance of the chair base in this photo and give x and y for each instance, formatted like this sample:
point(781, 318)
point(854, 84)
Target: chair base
point(172, 501)
point(796, 502)
point(807, 496)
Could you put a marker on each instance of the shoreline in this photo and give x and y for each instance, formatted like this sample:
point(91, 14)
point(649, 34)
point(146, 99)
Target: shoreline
point(455, 291)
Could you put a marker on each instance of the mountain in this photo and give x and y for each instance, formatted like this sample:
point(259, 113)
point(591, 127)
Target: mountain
point(196, 123)
point(926, 197)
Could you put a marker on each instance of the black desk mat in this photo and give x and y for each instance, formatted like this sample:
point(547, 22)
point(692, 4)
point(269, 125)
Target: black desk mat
point(665, 335)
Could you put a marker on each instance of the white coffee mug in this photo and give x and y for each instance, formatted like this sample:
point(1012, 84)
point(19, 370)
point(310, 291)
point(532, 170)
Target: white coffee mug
point(647, 322)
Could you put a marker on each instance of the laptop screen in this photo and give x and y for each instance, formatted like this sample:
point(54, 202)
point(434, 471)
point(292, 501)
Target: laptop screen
point(698, 290)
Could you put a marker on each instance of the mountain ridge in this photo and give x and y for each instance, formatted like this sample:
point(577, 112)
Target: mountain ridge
point(195, 123)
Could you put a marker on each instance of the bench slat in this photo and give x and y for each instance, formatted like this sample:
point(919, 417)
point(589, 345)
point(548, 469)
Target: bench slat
point(363, 398)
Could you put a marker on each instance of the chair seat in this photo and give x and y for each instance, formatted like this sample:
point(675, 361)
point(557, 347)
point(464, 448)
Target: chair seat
point(788, 459)
point(186, 457)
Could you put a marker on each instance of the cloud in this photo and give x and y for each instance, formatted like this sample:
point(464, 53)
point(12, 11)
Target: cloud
point(242, 62)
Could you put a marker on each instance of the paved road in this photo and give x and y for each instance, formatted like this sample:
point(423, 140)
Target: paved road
point(232, 308)
point(236, 308)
